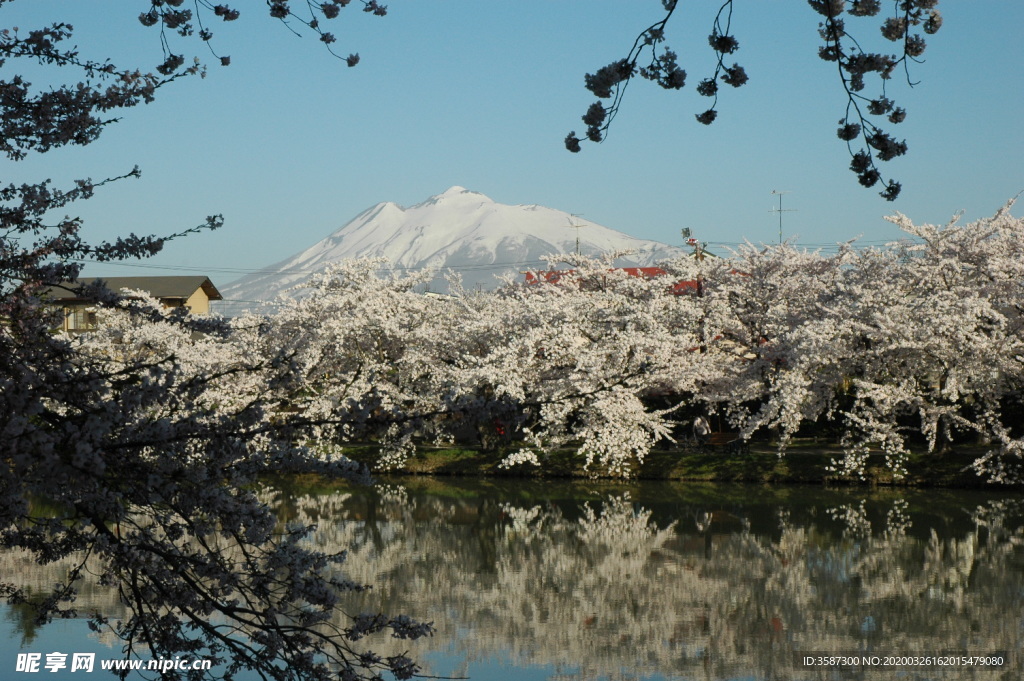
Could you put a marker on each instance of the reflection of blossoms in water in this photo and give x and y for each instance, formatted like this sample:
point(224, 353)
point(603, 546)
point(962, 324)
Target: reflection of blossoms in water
point(619, 525)
point(856, 520)
point(858, 525)
point(519, 519)
point(897, 521)
point(992, 518)
point(616, 589)
point(609, 591)
point(783, 517)
point(578, 589)
point(392, 494)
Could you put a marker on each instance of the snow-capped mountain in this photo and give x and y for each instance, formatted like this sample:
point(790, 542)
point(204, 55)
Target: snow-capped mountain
point(459, 230)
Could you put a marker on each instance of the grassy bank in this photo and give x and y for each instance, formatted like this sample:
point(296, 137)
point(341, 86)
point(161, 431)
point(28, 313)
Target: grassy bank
point(804, 462)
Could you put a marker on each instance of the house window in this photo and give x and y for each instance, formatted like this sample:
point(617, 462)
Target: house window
point(81, 319)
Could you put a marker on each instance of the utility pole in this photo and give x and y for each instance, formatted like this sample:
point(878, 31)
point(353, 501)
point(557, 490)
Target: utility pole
point(780, 211)
point(577, 226)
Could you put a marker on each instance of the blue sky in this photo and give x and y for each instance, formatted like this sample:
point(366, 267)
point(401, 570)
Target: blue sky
point(289, 144)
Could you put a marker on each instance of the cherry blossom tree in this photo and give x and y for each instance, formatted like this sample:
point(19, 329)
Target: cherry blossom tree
point(575, 359)
point(917, 343)
point(927, 328)
point(940, 326)
point(130, 455)
point(145, 442)
point(356, 344)
point(532, 368)
point(765, 305)
point(862, 120)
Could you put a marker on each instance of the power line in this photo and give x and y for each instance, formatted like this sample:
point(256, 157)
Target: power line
point(857, 245)
point(242, 270)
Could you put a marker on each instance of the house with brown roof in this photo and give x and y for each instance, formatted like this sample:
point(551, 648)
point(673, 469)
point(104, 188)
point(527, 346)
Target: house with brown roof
point(192, 292)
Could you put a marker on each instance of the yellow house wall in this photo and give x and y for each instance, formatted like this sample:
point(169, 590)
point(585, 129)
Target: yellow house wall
point(198, 302)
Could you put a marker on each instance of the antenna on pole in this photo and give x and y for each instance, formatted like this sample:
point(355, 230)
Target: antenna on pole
point(780, 211)
point(690, 240)
point(577, 226)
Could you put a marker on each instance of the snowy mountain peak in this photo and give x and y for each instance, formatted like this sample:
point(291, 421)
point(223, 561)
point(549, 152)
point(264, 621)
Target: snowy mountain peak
point(459, 230)
point(456, 194)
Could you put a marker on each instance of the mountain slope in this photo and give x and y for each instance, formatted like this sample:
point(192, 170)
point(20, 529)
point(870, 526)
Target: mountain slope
point(460, 230)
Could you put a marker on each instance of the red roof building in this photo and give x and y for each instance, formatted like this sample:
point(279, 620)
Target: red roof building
point(554, 276)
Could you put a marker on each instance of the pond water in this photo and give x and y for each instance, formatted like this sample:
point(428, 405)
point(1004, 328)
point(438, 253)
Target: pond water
point(560, 581)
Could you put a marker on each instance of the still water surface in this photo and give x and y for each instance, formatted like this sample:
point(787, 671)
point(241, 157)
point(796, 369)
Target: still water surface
point(580, 581)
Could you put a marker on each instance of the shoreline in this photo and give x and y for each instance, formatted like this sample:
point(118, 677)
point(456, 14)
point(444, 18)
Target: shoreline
point(803, 463)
